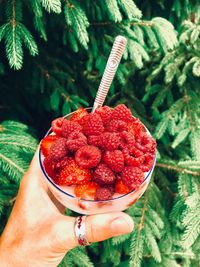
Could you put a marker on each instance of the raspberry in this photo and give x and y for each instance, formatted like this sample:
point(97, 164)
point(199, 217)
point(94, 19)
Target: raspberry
point(105, 113)
point(60, 164)
point(94, 140)
point(126, 140)
point(117, 126)
point(88, 156)
point(72, 174)
point(146, 143)
point(93, 125)
point(120, 187)
point(86, 191)
point(58, 149)
point(132, 177)
point(46, 144)
point(135, 127)
point(69, 127)
point(103, 193)
point(115, 160)
point(133, 156)
point(103, 175)
point(49, 166)
point(121, 112)
point(57, 126)
point(148, 162)
point(109, 141)
point(79, 116)
point(76, 140)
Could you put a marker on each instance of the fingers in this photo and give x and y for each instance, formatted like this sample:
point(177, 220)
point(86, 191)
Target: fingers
point(98, 228)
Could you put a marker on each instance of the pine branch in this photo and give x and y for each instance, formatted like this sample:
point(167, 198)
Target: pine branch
point(173, 167)
point(52, 5)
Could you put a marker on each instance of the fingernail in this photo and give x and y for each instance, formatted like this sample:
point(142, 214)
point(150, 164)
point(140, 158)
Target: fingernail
point(121, 225)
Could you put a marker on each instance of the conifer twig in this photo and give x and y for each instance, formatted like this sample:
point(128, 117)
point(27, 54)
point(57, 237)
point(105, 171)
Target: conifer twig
point(177, 169)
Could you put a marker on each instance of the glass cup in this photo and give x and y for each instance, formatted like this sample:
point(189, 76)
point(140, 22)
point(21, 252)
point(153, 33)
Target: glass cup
point(119, 202)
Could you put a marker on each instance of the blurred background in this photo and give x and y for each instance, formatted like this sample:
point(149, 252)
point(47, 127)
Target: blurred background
point(52, 57)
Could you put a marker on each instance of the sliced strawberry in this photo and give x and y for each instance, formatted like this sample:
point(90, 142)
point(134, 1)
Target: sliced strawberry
point(79, 115)
point(46, 144)
point(86, 191)
point(72, 174)
point(121, 188)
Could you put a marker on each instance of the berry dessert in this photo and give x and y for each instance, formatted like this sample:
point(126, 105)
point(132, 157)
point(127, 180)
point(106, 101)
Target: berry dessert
point(98, 162)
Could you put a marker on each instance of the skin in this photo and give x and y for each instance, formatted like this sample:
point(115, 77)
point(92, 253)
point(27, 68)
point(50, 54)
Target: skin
point(39, 234)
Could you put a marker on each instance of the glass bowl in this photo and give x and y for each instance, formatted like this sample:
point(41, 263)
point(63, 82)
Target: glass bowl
point(119, 202)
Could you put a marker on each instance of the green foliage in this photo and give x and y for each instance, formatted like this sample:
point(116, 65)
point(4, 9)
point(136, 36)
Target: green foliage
point(158, 78)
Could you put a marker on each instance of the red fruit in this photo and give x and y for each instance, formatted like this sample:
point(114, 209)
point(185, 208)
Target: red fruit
point(88, 156)
point(135, 127)
point(109, 141)
point(86, 191)
point(126, 140)
point(103, 175)
point(46, 144)
point(94, 140)
point(121, 188)
point(105, 113)
point(103, 193)
point(148, 162)
point(72, 174)
point(133, 156)
point(79, 115)
point(121, 112)
point(58, 149)
point(116, 126)
point(76, 140)
point(93, 125)
point(69, 127)
point(60, 164)
point(132, 177)
point(146, 143)
point(57, 126)
point(114, 159)
point(49, 166)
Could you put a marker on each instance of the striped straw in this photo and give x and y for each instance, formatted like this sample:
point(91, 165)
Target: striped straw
point(110, 70)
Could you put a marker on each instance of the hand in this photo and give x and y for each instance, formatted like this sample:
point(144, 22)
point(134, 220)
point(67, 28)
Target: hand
point(39, 234)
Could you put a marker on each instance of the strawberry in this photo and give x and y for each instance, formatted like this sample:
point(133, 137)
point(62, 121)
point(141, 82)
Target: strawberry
point(46, 144)
point(79, 115)
point(72, 174)
point(86, 191)
point(121, 188)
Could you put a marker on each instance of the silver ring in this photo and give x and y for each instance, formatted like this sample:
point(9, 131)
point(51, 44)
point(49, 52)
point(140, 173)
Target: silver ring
point(80, 231)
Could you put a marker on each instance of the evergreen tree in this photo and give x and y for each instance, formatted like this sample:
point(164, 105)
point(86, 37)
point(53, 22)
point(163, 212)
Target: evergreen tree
point(159, 77)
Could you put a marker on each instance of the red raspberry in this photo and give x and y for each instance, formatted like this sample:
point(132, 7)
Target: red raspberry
point(46, 144)
point(86, 191)
point(57, 126)
point(133, 156)
point(79, 116)
point(135, 127)
point(121, 112)
point(103, 175)
point(126, 140)
point(103, 193)
point(148, 162)
point(69, 127)
point(109, 141)
point(94, 140)
point(120, 187)
point(116, 126)
point(105, 113)
point(114, 159)
point(60, 164)
point(49, 166)
point(58, 149)
point(72, 174)
point(76, 140)
point(132, 177)
point(88, 156)
point(93, 125)
point(146, 143)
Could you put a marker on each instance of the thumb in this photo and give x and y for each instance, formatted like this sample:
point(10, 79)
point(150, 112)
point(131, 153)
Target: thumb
point(98, 228)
